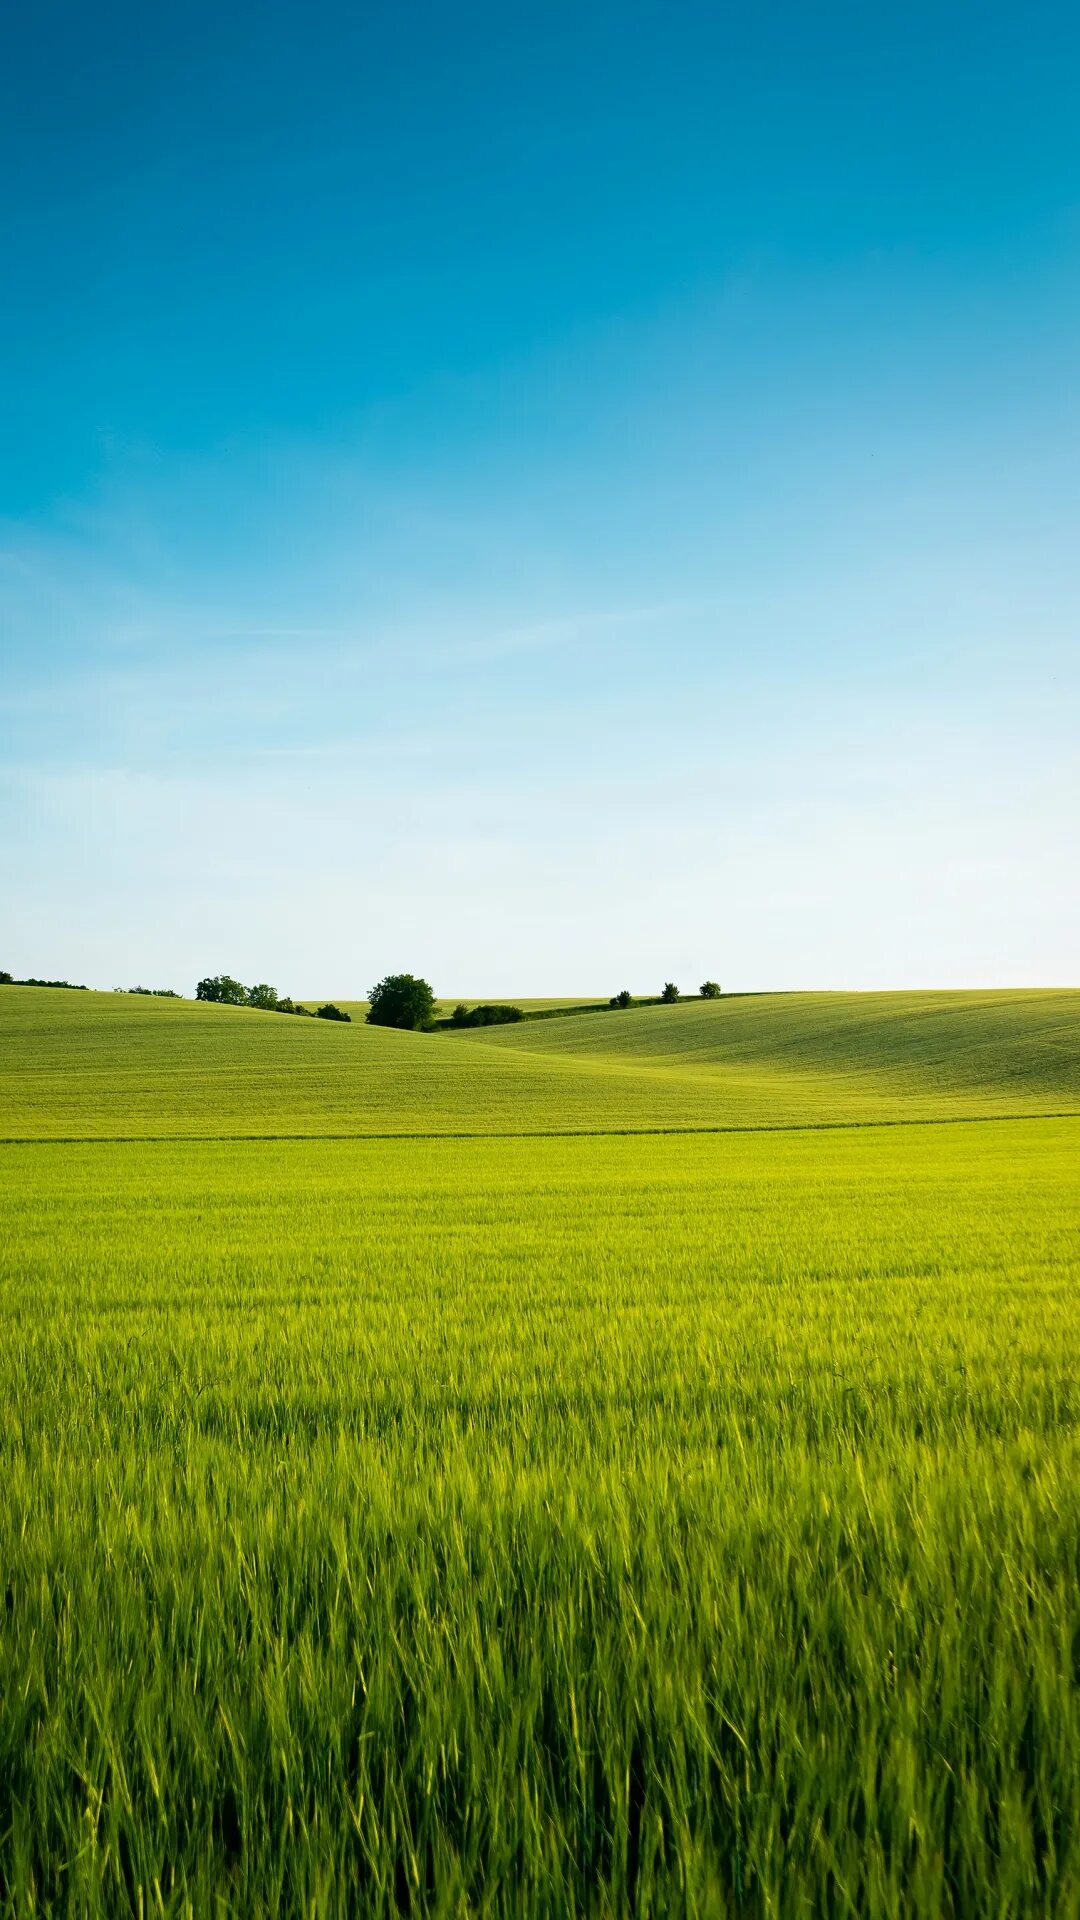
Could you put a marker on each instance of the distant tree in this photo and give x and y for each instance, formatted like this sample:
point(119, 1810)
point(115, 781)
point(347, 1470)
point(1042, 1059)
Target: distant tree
point(670, 993)
point(489, 1014)
point(5, 979)
point(330, 1012)
point(76, 986)
point(401, 1000)
point(222, 988)
point(710, 989)
point(623, 999)
point(263, 996)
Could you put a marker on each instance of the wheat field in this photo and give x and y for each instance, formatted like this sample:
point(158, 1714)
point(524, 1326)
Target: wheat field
point(625, 1464)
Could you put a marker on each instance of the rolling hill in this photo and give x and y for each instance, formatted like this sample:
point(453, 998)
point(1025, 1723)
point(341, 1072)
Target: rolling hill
point(99, 1065)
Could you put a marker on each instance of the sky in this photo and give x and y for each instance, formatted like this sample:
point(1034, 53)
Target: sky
point(548, 497)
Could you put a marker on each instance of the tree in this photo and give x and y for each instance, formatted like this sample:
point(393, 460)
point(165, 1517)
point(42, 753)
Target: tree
point(623, 999)
point(710, 989)
point(402, 1000)
point(264, 997)
point(670, 993)
point(330, 1012)
point(5, 979)
point(222, 988)
point(460, 1015)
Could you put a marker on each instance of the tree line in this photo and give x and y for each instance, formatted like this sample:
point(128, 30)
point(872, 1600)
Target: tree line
point(8, 980)
point(708, 990)
point(224, 991)
point(405, 1000)
point(401, 1000)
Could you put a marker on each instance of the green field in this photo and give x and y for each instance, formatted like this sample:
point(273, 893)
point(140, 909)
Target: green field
point(626, 1463)
point(85, 1065)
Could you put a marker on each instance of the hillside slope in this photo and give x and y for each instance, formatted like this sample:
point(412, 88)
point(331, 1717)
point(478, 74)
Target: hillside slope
point(88, 1065)
point(1010, 1042)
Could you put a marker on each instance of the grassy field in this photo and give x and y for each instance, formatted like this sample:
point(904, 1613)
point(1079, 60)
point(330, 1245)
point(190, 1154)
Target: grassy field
point(624, 1522)
point(82, 1065)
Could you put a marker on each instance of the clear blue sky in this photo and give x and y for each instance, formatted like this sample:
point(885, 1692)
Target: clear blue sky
point(551, 497)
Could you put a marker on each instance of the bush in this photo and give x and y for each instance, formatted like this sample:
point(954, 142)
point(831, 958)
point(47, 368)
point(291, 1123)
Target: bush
point(5, 979)
point(623, 999)
point(285, 1005)
point(264, 997)
point(330, 1012)
point(670, 993)
point(402, 1000)
point(76, 986)
point(154, 993)
point(223, 990)
point(710, 989)
point(492, 1016)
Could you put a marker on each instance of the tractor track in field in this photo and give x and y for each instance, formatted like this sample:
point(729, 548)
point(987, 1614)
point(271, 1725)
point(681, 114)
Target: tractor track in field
point(526, 1133)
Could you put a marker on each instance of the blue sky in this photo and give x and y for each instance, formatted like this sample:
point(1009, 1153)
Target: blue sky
point(550, 497)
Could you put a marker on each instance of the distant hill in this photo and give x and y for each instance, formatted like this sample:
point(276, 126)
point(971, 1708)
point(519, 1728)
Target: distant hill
point(99, 1065)
point(996, 1044)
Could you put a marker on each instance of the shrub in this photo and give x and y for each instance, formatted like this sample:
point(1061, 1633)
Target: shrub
point(154, 993)
point(710, 989)
point(330, 1012)
point(5, 979)
point(402, 1000)
point(670, 993)
point(623, 999)
point(263, 996)
point(223, 990)
point(77, 986)
point(489, 1014)
point(286, 1005)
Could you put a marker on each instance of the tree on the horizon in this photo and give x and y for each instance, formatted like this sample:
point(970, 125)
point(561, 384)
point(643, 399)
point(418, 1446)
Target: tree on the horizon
point(264, 997)
point(670, 993)
point(623, 999)
point(402, 1000)
point(223, 990)
point(710, 989)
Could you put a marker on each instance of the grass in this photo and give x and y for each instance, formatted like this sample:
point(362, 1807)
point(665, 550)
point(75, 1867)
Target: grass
point(102, 1065)
point(984, 1044)
point(594, 1525)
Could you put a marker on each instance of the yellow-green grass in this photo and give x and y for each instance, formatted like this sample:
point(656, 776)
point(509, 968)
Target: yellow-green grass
point(542, 1526)
point(676, 1523)
point(1022, 1041)
point(80, 1065)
